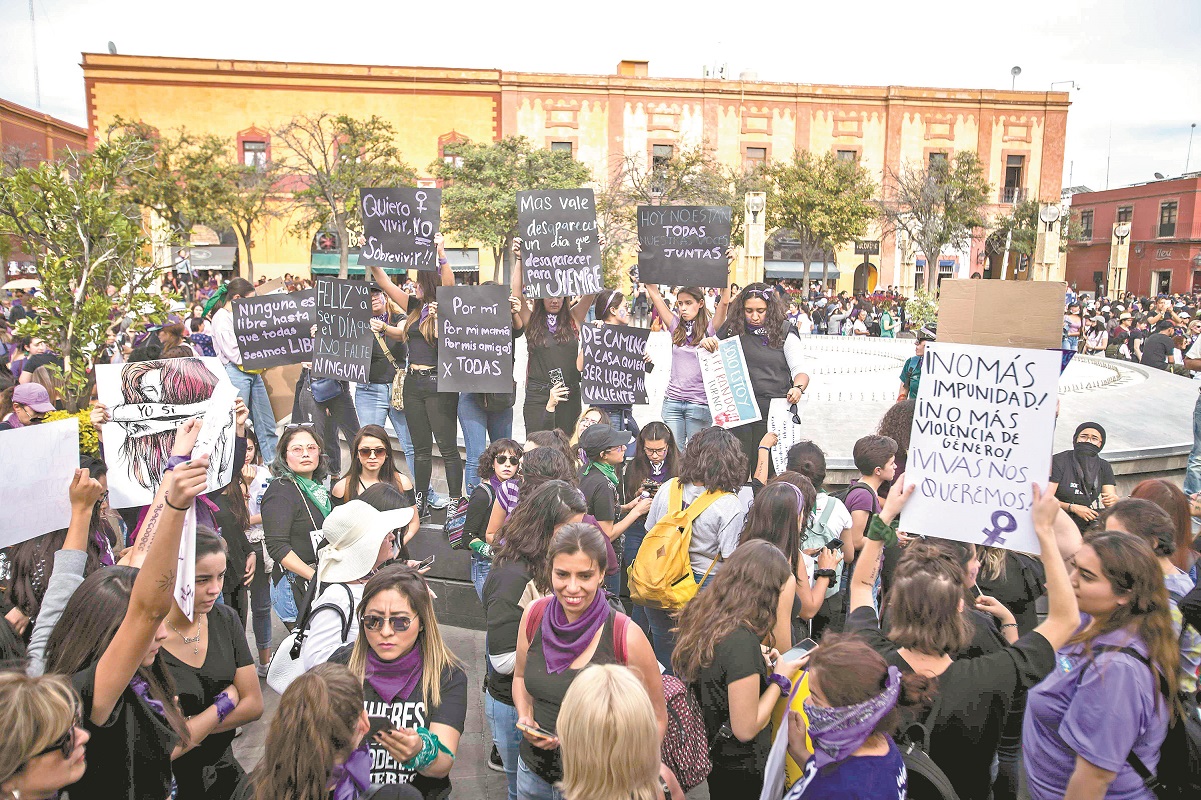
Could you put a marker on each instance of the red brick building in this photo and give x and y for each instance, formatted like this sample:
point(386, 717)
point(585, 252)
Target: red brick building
point(33, 136)
point(1164, 240)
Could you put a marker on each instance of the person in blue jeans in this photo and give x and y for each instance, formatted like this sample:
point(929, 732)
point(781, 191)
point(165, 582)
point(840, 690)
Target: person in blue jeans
point(1192, 475)
point(487, 417)
point(655, 462)
point(249, 383)
point(373, 400)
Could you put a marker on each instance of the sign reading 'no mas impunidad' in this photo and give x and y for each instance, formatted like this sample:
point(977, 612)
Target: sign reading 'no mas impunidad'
point(560, 252)
point(399, 226)
point(684, 245)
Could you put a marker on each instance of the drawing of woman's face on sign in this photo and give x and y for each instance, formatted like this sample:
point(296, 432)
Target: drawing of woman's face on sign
point(148, 401)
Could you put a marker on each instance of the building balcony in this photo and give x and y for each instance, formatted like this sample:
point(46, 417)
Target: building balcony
point(1012, 195)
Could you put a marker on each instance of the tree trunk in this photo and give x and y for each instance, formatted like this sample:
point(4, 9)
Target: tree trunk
point(825, 272)
point(343, 249)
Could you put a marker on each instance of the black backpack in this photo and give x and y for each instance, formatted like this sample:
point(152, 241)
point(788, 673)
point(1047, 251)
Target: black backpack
point(926, 780)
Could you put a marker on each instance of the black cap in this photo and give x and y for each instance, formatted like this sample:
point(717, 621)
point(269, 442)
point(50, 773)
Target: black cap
point(600, 437)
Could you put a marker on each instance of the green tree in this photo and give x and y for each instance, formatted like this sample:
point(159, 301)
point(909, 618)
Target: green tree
point(1020, 229)
point(481, 181)
point(250, 197)
point(936, 205)
point(824, 201)
point(79, 218)
point(328, 158)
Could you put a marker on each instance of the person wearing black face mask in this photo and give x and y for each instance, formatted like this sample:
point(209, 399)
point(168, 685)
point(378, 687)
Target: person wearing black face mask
point(1081, 480)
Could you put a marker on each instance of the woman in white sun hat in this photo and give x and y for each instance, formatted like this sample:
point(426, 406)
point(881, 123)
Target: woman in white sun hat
point(359, 539)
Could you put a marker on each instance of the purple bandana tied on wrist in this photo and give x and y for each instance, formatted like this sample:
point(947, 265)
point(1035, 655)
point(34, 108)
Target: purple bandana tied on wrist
point(838, 732)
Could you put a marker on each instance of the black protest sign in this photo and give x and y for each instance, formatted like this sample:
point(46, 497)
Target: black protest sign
point(275, 329)
point(614, 364)
point(399, 226)
point(343, 346)
point(684, 245)
point(475, 339)
point(560, 252)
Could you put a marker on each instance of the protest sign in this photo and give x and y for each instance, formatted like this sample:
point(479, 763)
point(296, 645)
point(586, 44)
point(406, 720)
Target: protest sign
point(475, 339)
point(148, 400)
point(399, 226)
point(38, 463)
point(788, 432)
point(684, 245)
point(982, 432)
point(275, 329)
point(273, 286)
point(343, 347)
point(982, 312)
point(560, 252)
point(728, 384)
point(614, 364)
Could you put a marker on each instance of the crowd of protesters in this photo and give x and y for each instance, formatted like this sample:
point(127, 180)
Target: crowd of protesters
point(602, 682)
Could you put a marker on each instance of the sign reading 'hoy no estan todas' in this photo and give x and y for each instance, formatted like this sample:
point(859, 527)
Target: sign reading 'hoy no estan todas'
point(275, 329)
point(982, 432)
point(475, 351)
point(560, 252)
point(399, 226)
point(684, 245)
point(614, 364)
point(343, 346)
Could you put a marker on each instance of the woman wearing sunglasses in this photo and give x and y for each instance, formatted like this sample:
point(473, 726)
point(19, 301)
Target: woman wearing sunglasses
point(773, 351)
point(414, 688)
point(42, 742)
point(374, 462)
point(490, 505)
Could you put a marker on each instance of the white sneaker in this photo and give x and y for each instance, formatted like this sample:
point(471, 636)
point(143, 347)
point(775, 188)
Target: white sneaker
point(261, 669)
point(438, 500)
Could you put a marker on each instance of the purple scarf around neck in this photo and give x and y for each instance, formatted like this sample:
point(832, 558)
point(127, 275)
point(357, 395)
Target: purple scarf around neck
point(353, 776)
point(393, 679)
point(563, 641)
point(506, 493)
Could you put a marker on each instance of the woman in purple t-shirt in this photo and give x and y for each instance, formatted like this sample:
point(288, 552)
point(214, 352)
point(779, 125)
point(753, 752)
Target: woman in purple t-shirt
point(1114, 686)
point(685, 406)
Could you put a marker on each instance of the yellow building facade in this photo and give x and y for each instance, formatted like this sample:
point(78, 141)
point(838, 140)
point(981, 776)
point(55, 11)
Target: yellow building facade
point(1019, 136)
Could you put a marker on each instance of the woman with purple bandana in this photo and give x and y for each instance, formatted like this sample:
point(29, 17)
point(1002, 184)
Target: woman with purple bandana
point(490, 505)
point(852, 711)
point(414, 688)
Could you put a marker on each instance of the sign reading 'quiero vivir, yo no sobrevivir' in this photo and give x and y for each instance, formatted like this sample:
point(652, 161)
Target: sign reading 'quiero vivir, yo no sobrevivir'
point(399, 225)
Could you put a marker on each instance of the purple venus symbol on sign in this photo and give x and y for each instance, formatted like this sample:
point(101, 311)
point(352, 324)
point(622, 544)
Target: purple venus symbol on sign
point(1002, 522)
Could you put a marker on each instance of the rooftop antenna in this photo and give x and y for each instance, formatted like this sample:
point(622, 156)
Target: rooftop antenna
point(1014, 77)
point(112, 49)
point(1192, 129)
point(33, 38)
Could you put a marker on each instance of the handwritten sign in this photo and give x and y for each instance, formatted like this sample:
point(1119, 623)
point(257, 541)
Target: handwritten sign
point(343, 347)
point(39, 463)
point(275, 329)
point(728, 384)
point(684, 245)
point(982, 433)
point(475, 350)
point(780, 422)
point(560, 252)
point(399, 226)
point(614, 364)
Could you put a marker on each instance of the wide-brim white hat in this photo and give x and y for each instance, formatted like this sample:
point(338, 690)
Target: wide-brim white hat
point(354, 532)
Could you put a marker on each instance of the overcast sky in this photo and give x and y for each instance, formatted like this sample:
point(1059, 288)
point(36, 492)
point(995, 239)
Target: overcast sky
point(1138, 64)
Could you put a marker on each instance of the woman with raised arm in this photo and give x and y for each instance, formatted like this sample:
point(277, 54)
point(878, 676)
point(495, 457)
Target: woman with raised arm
point(552, 336)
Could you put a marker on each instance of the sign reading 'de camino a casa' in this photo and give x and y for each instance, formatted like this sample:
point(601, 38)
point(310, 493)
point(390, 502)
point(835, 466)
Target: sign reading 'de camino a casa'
point(560, 251)
point(399, 226)
point(684, 245)
point(614, 364)
point(343, 347)
point(475, 334)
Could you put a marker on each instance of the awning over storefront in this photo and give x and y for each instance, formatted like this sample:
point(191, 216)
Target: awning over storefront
point(796, 270)
point(205, 257)
point(462, 259)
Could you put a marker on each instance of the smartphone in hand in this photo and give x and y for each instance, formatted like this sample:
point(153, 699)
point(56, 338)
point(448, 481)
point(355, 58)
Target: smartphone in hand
point(532, 730)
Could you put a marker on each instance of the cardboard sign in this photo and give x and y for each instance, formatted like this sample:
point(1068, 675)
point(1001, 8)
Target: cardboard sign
point(148, 401)
point(728, 384)
point(275, 329)
point(982, 433)
point(273, 286)
point(399, 226)
point(1002, 313)
point(560, 252)
point(343, 347)
point(684, 245)
point(788, 432)
point(614, 371)
point(39, 463)
point(475, 339)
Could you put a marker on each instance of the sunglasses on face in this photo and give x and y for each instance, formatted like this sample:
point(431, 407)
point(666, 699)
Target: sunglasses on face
point(64, 744)
point(373, 452)
point(308, 426)
point(514, 460)
point(375, 622)
point(763, 294)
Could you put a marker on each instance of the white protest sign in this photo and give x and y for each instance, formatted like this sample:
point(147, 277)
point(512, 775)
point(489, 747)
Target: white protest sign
point(185, 573)
point(728, 384)
point(982, 433)
point(788, 432)
point(38, 463)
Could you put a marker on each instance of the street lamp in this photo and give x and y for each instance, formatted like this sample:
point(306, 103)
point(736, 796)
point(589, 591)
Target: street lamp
point(755, 237)
point(755, 203)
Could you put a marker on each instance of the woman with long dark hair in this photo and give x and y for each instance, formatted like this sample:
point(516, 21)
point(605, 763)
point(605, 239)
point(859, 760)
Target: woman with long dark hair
point(773, 352)
point(520, 562)
point(107, 642)
point(656, 461)
point(718, 653)
point(430, 414)
point(248, 382)
point(552, 337)
point(610, 308)
point(373, 461)
point(295, 505)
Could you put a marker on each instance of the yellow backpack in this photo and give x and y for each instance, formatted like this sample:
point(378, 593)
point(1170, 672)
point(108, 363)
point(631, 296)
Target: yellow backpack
point(661, 574)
